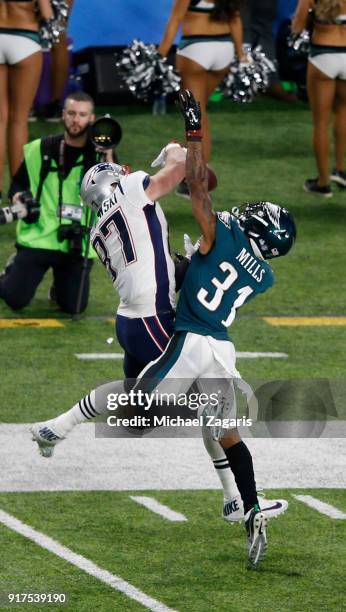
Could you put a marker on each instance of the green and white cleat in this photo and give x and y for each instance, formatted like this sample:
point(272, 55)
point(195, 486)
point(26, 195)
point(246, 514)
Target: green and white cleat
point(46, 438)
point(255, 524)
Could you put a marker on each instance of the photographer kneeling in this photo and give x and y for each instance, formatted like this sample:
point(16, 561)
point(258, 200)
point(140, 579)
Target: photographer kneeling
point(52, 229)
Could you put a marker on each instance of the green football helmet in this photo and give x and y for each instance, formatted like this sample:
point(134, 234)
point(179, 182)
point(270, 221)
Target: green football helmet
point(270, 228)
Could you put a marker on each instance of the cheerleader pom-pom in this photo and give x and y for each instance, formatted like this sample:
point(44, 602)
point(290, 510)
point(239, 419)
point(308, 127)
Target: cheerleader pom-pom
point(60, 10)
point(300, 43)
point(246, 80)
point(146, 74)
point(51, 29)
point(49, 33)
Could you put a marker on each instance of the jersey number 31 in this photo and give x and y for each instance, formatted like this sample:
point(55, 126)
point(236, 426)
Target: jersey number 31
point(212, 303)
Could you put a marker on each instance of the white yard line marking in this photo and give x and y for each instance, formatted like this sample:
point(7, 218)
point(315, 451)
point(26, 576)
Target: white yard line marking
point(321, 507)
point(90, 356)
point(240, 355)
point(247, 355)
point(155, 506)
point(82, 563)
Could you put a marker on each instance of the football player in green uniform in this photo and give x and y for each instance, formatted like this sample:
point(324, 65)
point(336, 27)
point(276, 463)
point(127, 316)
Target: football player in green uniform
point(229, 268)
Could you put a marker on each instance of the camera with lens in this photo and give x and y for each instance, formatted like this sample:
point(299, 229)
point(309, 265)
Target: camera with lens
point(105, 133)
point(74, 233)
point(25, 207)
point(32, 207)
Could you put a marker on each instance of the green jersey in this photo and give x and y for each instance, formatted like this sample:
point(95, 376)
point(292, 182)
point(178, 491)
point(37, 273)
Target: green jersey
point(218, 283)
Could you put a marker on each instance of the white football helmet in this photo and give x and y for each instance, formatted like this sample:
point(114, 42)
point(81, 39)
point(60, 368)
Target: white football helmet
point(99, 183)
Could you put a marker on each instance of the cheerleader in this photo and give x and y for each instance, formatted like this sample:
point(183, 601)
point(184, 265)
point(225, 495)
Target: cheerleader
point(211, 35)
point(326, 83)
point(20, 71)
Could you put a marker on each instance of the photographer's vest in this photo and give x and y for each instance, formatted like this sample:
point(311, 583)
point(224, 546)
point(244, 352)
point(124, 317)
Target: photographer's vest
point(44, 233)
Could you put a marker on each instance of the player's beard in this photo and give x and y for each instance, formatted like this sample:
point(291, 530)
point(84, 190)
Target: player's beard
point(77, 135)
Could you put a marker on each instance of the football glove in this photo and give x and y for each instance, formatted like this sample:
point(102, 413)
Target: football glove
point(190, 248)
point(190, 109)
point(160, 160)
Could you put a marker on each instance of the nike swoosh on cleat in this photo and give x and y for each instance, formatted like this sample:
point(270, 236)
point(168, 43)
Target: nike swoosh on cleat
point(274, 507)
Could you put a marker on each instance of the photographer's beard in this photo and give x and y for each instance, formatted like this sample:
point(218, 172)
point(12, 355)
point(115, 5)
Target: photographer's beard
point(76, 136)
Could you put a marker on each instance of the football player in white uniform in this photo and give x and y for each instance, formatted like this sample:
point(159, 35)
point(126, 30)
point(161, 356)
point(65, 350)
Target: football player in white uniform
point(130, 236)
point(131, 239)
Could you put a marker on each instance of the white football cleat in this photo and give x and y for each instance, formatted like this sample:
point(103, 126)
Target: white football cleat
point(46, 438)
point(255, 525)
point(272, 507)
point(233, 509)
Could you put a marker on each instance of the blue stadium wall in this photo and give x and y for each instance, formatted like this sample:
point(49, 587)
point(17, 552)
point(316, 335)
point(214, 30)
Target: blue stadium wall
point(117, 22)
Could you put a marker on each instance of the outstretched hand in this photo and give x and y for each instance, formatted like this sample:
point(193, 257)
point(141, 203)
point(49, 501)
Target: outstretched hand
point(160, 160)
point(190, 249)
point(190, 109)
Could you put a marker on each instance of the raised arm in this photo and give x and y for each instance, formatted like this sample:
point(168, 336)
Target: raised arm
point(197, 171)
point(172, 172)
point(300, 18)
point(178, 11)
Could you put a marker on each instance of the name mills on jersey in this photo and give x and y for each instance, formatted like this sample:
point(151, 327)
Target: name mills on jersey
point(251, 265)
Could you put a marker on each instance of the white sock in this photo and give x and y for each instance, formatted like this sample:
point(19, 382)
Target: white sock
point(89, 407)
point(221, 465)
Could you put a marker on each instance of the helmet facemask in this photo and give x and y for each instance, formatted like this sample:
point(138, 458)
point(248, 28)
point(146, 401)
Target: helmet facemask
point(99, 184)
point(270, 228)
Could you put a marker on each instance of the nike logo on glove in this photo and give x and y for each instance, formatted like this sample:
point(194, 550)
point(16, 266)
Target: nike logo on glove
point(191, 116)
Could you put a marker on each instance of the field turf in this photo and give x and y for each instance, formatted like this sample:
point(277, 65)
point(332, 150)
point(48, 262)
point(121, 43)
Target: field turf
point(260, 151)
point(194, 566)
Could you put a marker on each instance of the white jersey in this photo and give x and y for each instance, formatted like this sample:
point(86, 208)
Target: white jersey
point(131, 239)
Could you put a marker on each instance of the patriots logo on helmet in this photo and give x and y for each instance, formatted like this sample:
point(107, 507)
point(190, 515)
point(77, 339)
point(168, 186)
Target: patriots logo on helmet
point(103, 166)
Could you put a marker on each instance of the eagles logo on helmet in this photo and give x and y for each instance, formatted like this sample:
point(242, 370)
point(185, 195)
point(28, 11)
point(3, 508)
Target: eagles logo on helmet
point(269, 227)
point(99, 183)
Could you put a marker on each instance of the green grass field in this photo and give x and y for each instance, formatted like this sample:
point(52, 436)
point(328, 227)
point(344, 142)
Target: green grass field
point(194, 566)
point(260, 151)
